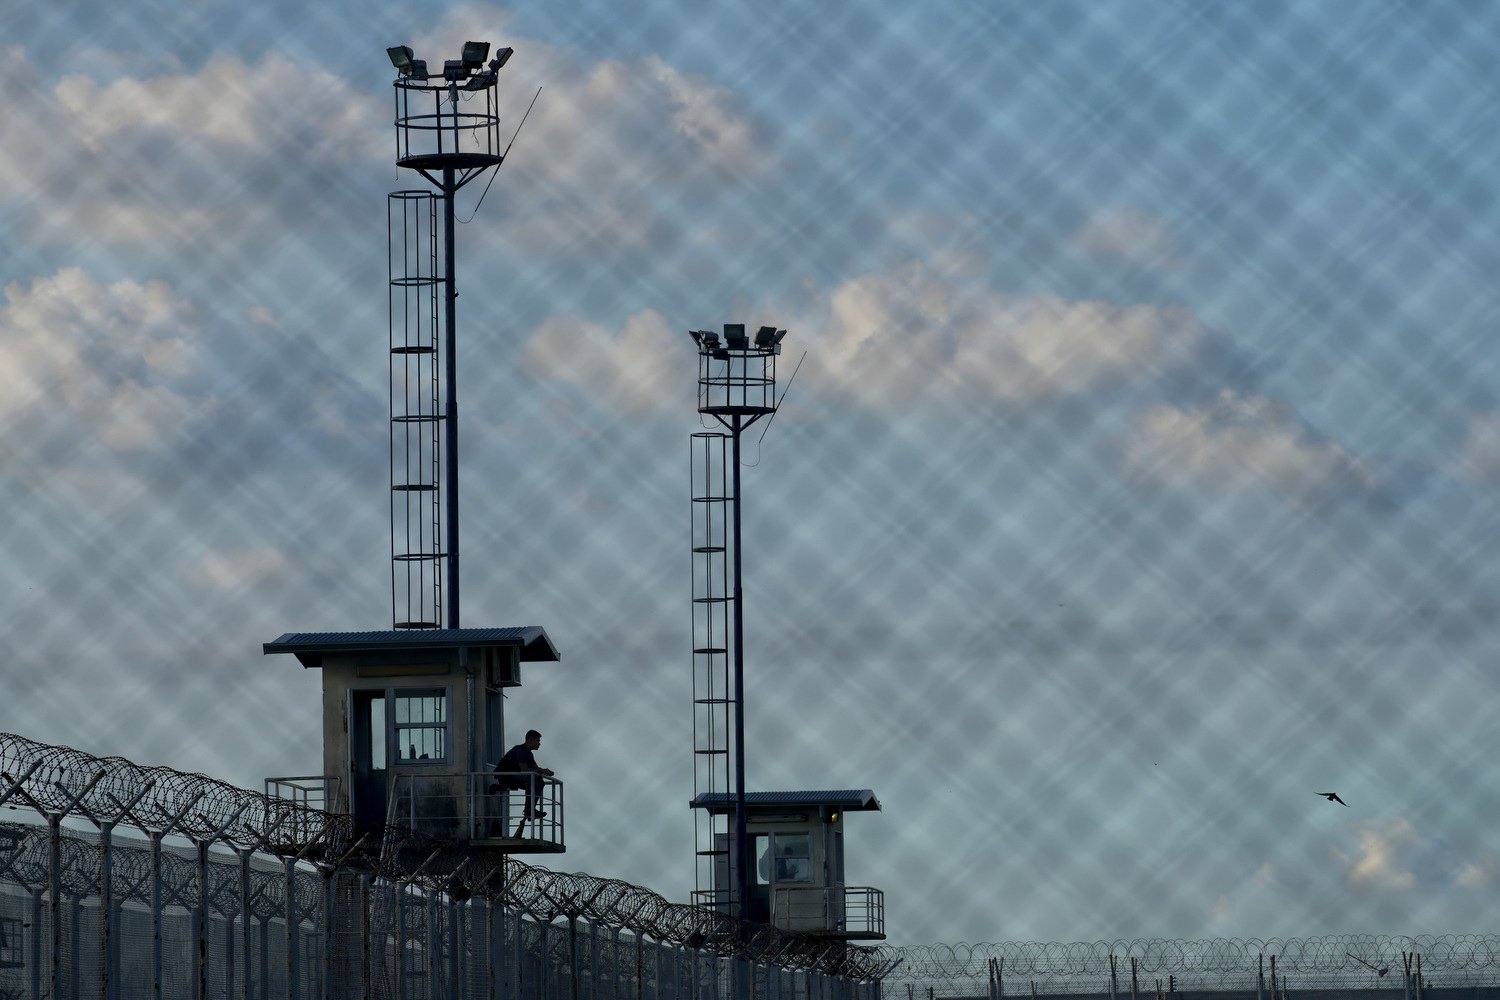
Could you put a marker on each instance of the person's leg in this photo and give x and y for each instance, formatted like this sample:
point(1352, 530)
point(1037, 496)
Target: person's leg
point(531, 795)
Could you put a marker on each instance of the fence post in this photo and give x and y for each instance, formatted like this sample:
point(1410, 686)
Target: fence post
point(54, 880)
point(491, 948)
point(156, 914)
point(106, 907)
point(247, 917)
point(401, 951)
point(573, 967)
point(1114, 979)
point(293, 988)
point(36, 944)
point(366, 935)
point(200, 950)
point(458, 937)
point(432, 942)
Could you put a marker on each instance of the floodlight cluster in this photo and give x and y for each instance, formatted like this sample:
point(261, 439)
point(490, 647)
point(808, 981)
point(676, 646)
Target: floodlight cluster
point(470, 66)
point(767, 341)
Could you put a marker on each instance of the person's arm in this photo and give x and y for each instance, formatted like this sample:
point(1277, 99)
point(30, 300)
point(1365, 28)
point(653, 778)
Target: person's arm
point(539, 769)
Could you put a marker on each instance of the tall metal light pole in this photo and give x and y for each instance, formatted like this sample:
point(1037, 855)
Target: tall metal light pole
point(448, 131)
point(736, 387)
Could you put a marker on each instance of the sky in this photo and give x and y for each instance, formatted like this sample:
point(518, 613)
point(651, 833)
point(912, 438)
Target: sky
point(1136, 483)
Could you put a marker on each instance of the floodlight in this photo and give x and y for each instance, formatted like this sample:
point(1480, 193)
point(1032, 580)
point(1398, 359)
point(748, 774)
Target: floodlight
point(710, 339)
point(502, 56)
point(475, 53)
point(455, 70)
point(418, 69)
point(734, 337)
point(479, 81)
point(401, 56)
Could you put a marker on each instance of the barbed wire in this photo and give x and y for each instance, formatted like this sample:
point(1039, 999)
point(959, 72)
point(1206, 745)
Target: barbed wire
point(59, 781)
point(1346, 959)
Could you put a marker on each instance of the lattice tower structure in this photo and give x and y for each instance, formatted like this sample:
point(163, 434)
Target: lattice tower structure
point(736, 389)
point(447, 132)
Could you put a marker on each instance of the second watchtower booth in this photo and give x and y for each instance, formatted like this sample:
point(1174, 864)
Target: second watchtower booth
point(796, 853)
point(413, 727)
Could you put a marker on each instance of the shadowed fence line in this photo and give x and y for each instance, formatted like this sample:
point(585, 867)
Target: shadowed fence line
point(326, 880)
point(1145, 966)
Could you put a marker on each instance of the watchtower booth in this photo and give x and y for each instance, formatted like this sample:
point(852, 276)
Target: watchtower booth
point(796, 850)
point(413, 726)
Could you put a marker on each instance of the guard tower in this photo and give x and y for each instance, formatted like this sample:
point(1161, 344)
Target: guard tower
point(414, 717)
point(796, 870)
point(413, 724)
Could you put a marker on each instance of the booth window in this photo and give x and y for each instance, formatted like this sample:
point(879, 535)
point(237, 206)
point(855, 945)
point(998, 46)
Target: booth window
point(420, 724)
point(782, 858)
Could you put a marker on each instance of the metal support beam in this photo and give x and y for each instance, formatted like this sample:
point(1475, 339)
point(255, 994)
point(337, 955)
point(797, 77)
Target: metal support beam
point(450, 377)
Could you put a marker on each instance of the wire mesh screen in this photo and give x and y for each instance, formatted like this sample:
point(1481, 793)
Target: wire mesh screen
point(1131, 494)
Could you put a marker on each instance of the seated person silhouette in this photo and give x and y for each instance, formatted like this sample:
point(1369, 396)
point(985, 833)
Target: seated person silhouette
point(518, 770)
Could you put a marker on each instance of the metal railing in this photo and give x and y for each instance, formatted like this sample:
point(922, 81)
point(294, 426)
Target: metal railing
point(478, 806)
point(311, 791)
point(847, 911)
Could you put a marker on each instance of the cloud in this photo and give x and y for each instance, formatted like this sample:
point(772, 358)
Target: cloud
point(635, 369)
point(1480, 459)
point(182, 155)
point(1382, 857)
point(1477, 876)
point(1395, 855)
point(239, 569)
point(1238, 441)
point(906, 335)
point(1129, 235)
point(617, 150)
point(911, 334)
point(109, 356)
point(251, 107)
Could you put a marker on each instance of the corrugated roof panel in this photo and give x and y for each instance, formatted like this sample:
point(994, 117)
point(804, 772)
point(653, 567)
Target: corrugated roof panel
point(533, 640)
point(847, 799)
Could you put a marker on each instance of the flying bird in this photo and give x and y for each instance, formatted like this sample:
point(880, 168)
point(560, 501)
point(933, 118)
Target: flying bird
point(1334, 797)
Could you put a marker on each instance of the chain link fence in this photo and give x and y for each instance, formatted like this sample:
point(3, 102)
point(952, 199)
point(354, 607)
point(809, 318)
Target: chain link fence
point(1270, 967)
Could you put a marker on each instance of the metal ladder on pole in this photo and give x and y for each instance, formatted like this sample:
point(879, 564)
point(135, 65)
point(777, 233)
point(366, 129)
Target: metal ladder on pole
point(417, 556)
point(713, 696)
